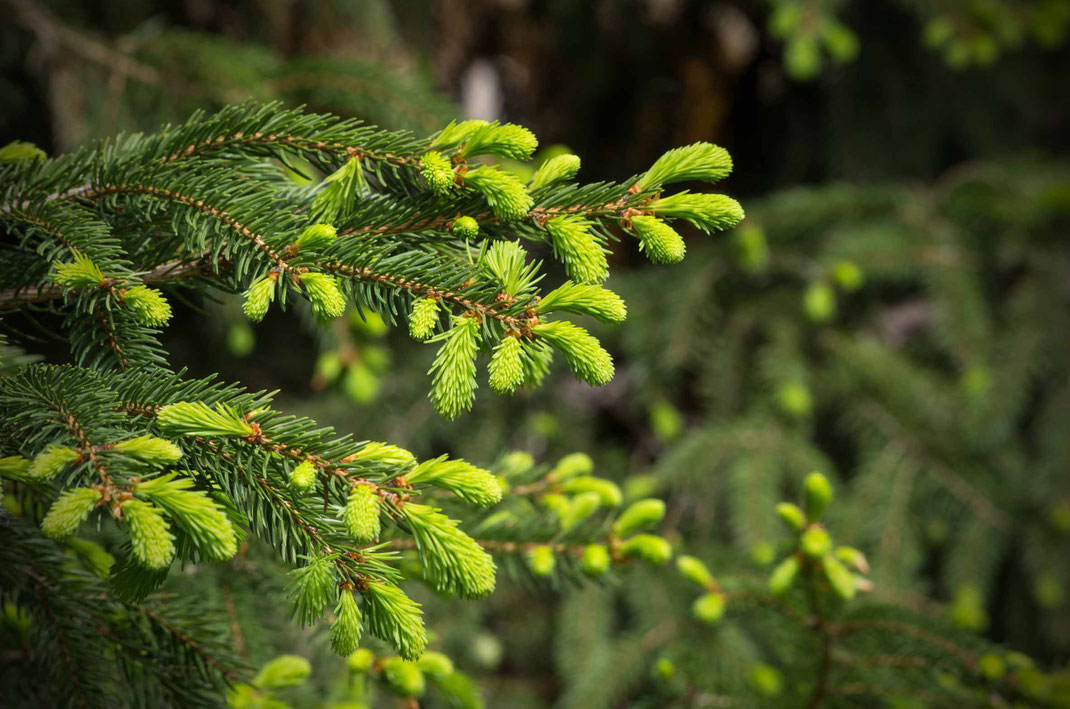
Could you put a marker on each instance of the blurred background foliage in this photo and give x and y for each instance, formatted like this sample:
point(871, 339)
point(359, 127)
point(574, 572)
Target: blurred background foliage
point(893, 312)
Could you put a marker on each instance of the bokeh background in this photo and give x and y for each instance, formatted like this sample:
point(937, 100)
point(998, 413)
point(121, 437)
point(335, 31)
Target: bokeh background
point(895, 310)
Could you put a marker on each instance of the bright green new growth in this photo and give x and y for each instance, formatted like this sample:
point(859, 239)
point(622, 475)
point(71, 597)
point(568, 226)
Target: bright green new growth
point(506, 261)
point(818, 495)
point(639, 515)
point(303, 476)
point(437, 171)
point(395, 618)
point(316, 236)
point(541, 560)
point(595, 560)
point(14, 467)
point(659, 241)
point(791, 515)
point(149, 449)
point(377, 452)
point(314, 587)
point(68, 512)
point(148, 305)
point(454, 384)
point(571, 466)
point(323, 293)
point(608, 492)
point(235, 224)
point(840, 579)
point(709, 608)
point(647, 547)
point(584, 299)
point(424, 318)
point(361, 514)
point(506, 366)
point(465, 227)
point(338, 192)
point(819, 302)
point(404, 676)
point(576, 510)
point(503, 191)
point(49, 462)
point(558, 169)
point(815, 542)
point(585, 356)
point(79, 273)
point(702, 162)
point(258, 297)
point(708, 212)
point(452, 561)
point(195, 513)
point(150, 536)
point(18, 150)
point(455, 133)
point(783, 576)
point(345, 630)
point(694, 571)
point(283, 671)
point(578, 248)
point(436, 664)
point(504, 140)
point(463, 479)
point(196, 418)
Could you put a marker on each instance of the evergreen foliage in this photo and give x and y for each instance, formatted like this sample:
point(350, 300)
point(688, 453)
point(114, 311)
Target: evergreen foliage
point(99, 241)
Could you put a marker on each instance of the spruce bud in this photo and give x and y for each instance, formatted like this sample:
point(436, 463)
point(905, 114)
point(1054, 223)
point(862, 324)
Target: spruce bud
point(608, 492)
point(258, 297)
point(708, 608)
point(437, 172)
point(783, 576)
point(840, 579)
point(345, 630)
point(435, 664)
point(80, 273)
point(303, 477)
point(503, 191)
point(148, 305)
point(815, 542)
point(578, 249)
point(694, 571)
point(324, 295)
point(316, 236)
point(68, 512)
point(557, 169)
point(585, 356)
point(404, 677)
point(571, 466)
point(361, 514)
point(659, 241)
point(649, 548)
point(150, 535)
point(708, 212)
point(541, 560)
point(149, 449)
point(506, 367)
point(791, 515)
point(595, 560)
point(704, 162)
point(818, 495)
point(454, 383)
point(48, 463)
point(639, 515)
point(465, 227)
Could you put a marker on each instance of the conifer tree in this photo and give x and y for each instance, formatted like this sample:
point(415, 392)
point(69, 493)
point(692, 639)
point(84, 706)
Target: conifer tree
point(99, 243)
